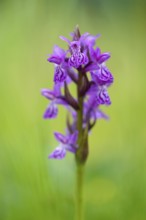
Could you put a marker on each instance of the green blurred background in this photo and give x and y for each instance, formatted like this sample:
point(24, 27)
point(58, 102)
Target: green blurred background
point(33, 187)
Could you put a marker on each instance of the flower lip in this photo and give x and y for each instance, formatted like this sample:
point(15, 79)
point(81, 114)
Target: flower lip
point(51, 111)
point(60, 75)
point(102, 76)
point(59, 153)
point(78, 59)
point(67, 143)
point(102, 96)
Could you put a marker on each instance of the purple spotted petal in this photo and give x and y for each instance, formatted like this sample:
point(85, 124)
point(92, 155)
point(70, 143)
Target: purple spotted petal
point(59, 153)
point(78, 59)
point(51, 111)
point(102, 76)
point(61, 138)
point(48, 94)
point(103, 97)
point(59, 75)
point(58, 55)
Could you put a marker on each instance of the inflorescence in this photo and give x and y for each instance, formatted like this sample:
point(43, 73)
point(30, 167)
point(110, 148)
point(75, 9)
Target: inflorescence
point(85, 66)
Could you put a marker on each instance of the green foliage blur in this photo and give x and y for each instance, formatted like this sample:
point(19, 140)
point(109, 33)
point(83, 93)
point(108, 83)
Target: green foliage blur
point(33, 187)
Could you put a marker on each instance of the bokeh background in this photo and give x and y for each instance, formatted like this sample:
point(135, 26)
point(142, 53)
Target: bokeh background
point(33, 187)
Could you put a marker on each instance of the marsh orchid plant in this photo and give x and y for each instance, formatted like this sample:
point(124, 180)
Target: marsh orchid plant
point(84, 65)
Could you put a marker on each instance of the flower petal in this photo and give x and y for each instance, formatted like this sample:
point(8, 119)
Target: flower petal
point(99, 114)
point(58, 55)
point(59, 51)
point(57, 90)
point(60, 75)
point(102, 76)
point(61, 138)
point(71, 148)
point(90, 40)
point(51, 111)
point(97, 56)
point(48, 94)
point(59, 153)
point(65, 39)
point(103, 97)
point(103, 57)
point(78, 59)
point(91, 67)
point(54, 59)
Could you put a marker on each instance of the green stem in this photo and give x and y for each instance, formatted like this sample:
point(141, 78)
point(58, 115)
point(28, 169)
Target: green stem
point(79, 192)
point(79, 119)
point(80, 111)
point(79, 164)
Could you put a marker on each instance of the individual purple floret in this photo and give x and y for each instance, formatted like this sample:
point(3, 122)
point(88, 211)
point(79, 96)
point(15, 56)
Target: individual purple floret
point(103, 96)
point(58, 55)
point(84, 65)
point(51, 111)
point(58, 58)
point(97, 56)
point(78, 57)
point(55, 97)
point(60, 74)
point(102, 76)
point(66, 143)
point(99, 95)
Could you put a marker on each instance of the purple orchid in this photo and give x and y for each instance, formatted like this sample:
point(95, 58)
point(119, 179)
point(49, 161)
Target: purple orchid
point(102, 76)
point(99, 95)
point(67, 143)
point(55, 97)
point(58, 58)
point(78, 57)
point(72, 67)
point(58, 55)
point(97, 56)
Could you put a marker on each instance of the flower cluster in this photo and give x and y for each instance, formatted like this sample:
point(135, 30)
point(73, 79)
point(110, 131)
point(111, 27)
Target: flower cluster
point(84, 65)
